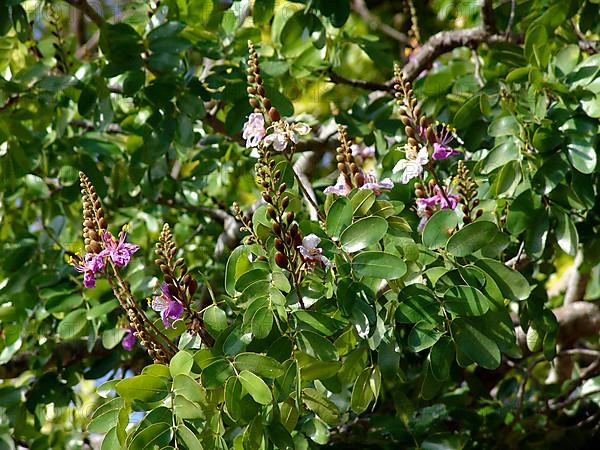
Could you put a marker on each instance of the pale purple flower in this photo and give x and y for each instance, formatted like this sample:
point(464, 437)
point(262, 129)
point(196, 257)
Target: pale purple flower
point(129, 339)
point(340, 187)
point(254, 130)
point(311, 253)
point(283, 132)
point(376, 186)
point(426, 205)
point(444, 136)
point(89, 265)
point(413, 164)
point(362, 151)
point(167, 306)
point(118, 251)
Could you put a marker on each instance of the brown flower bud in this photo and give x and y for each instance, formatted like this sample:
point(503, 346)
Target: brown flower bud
point(274, 114)
point(465, 209)
point(192, 287)
point(479, 213)
point(410, 131)
point(430, 135)
point(261, 91)
point(261, 258)
point(164, 269)
point(294, 230)
point(267, 198)
point(258, 79)
point(251, 90)
point(279, 245)
point(179, 262)
point(158, 262)
point(254, 103)
point(267, 104)
point(285, 202)
point(281, 260)
point(168, 279)
point(251, 79)
point(405, 120)
point(277, 174)
point(466, 219)
point(276, 229)
point(476, 202)
point(419, 193)
point(271, 213)
point(282, 188)
point(289, 217)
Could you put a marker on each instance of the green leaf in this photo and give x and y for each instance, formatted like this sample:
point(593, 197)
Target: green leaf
point(144, 388)
point(417, 303)
point(317, 346)
point(581, 154)
point(264, 366)
point(339, 217)
point(216, 373)
point(237, 264)
point(513, 285)
point(363, 233)
point(263, 11)
point(73, 325)
point(233, 398)
point(321, 406)
point(362, 394)
point(361, 200)
point(566, 233)
point(157, 435)
point(435, 233)
point(256, 387)
point(504, 126)
point(262, 322)
point(378, 265)
point(441, 357)
point(215, 320)
point(187, 409)
point(465, 301)
point(422, 336)
point(106, 416)
point(280, 437)
point(186, 386)
point(181, 363)
point(470, 336)
point(185, 435)
point(471, 238)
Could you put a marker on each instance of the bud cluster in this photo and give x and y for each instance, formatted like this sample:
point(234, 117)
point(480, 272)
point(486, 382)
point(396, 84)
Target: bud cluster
point(410, 111)
point(346, 164)
point(257, 96)
point(467, 189)
point(94, 222)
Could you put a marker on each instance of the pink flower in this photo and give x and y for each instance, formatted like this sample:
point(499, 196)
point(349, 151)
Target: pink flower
point(118, 251)
point(311, 253)
point(444, 136)
point(376, 186)
point(362, 151)
point(339, 188)
point(129, 339)
point(167, 306)
point(426, 205)
point(89, 265)
point(254, 130)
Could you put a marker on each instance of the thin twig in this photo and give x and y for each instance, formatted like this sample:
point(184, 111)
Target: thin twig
point(87, 9)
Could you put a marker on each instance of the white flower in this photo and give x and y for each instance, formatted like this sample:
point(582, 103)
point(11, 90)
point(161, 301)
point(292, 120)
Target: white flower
point(311, 253)
point(413, 165)
point(283, 132)
point(362, 151)
point(254, 130)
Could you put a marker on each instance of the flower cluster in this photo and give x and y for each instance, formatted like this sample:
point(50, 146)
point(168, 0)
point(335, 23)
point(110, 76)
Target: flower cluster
point(278, 135)
point(441, 198)
point(117, 250)
point(412, 165)
point(351, 175)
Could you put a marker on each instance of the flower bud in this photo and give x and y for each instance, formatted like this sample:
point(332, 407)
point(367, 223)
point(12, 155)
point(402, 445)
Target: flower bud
point(277, 174)
point(168, 279)
point(251, 79)
point(192, 287)
point(294, 230)
point(254, 103)
point(271, 213)
point(479, 213)
point(251, 90)
point(276, 229)
point(261, 91)
point(419, 193)
point(465, 209)
point(466, 219)
point(279, 245)
point(476, 202)
point(274, 114)
point(164, 269)
point(267, 198)
point(267, 104)
point(289, 217)
point(285, 202)
point(261, 258)
point(282, 188)
point(281, 260)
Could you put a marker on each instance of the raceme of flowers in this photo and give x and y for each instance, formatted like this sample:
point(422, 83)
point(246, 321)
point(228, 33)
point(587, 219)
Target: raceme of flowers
point(426, 205)
point(278, 135)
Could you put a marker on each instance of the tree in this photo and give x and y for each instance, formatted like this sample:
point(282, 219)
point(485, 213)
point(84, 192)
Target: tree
point(356, 223)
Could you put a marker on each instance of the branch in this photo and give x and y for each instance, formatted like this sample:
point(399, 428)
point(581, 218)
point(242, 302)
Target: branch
point(487, 17)
point(86, 9)
point(362, 84)
point(375, 23)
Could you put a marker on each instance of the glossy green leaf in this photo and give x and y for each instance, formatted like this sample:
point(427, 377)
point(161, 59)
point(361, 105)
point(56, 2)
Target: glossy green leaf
point(471, 238)
point(256, 387)
point(471, 337)
point(513, 285)
point(339, 217)
point(435, 233)
point(144, 388)
point(465, 301)
point(261, 365)
point(378, 265)
point(363, 233)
